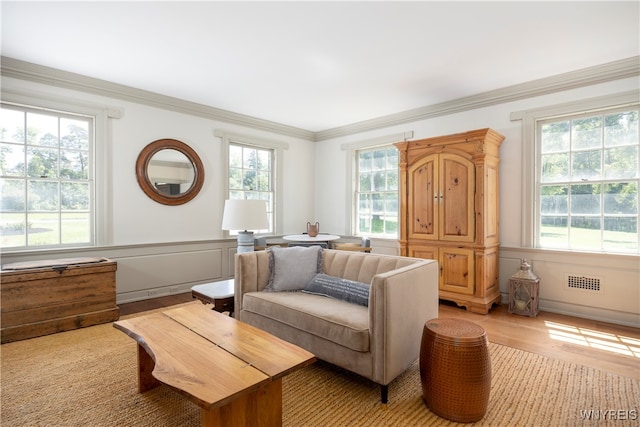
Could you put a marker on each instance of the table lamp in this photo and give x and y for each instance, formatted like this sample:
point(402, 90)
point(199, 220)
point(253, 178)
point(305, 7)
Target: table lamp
point(244, 215)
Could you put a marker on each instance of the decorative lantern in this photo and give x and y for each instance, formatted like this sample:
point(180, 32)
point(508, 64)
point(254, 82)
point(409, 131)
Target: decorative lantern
point(523, 291)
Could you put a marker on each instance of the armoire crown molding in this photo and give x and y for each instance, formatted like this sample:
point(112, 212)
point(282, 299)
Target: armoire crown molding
point(603, 73)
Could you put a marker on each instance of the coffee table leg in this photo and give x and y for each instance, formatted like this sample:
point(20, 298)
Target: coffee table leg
point(261, 408)
point(146, 381)
point(270, 404)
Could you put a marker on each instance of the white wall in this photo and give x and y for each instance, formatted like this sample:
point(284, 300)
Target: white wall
point(618, 302)
point(161, 249)
point(144, 234)
point(134, 217)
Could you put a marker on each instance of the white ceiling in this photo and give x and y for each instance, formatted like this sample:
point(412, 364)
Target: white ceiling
point(319, 65)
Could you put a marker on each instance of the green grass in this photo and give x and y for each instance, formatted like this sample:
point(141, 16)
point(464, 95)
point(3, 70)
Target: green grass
point(44, 229)
point(582, 238)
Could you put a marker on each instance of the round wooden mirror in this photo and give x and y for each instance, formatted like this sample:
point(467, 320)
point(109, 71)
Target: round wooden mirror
point(169, 172)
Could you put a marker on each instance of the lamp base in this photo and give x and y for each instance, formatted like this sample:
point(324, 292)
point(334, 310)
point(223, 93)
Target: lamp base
point(245, 242)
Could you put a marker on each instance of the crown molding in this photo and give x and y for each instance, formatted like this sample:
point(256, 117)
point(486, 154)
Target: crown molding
point(611, 71)
point(10, 67)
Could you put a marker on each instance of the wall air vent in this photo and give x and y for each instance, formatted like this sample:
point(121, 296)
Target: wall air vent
point(585, 283)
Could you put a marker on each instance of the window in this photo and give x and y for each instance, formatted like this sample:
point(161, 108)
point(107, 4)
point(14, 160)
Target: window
point(587, 181)
point(255, 171)
point(251, 175)
point(46, 182)
point(377, 192)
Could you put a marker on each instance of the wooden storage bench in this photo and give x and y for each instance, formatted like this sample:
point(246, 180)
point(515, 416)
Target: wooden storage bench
point(45, 297)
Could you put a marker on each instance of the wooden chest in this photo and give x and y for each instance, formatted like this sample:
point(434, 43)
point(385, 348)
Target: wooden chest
point(44, 297)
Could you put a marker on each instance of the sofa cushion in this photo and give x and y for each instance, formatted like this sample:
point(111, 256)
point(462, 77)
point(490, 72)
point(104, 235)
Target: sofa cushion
point(338, 321)
point(337, 287)
point(292, 268)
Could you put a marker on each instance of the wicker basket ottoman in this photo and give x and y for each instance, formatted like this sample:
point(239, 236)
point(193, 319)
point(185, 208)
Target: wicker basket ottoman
point(455, 369)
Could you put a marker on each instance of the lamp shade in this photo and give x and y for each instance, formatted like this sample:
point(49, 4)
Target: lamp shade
point(244, 214)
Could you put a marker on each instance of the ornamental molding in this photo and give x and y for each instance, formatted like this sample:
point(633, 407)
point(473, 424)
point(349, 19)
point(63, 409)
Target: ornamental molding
point(617, 70)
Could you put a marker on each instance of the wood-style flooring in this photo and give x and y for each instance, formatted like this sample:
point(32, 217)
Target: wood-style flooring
point(604, 346)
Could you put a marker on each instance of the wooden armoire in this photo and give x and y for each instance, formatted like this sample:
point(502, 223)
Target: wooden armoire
point(449, 212)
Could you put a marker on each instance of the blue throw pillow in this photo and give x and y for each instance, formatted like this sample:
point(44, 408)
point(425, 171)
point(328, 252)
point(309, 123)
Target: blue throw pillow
point(339, 288)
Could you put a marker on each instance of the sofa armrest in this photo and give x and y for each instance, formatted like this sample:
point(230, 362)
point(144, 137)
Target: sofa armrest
point(400, 303)
point(251, 275)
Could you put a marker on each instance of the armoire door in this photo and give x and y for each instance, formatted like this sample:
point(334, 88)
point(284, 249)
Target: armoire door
point(457, 270)
point(456, 205)
point(441, 198)
point(423, 192)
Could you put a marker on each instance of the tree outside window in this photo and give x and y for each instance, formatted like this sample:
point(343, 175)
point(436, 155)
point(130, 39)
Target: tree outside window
point(251, 175)
point(589, 175)
point(377, 192)
point(45, 178)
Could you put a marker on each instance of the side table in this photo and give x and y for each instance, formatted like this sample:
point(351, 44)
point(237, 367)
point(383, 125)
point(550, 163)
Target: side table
point(455, 369)
point(220, 294)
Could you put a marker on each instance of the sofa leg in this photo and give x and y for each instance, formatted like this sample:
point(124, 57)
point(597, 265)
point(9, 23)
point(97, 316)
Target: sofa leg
point(384, 393)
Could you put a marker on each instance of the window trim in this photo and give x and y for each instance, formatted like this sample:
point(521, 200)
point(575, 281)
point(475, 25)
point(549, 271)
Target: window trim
point(351, 150)
point(100, 153)
point(278, 148)
point(530, 157)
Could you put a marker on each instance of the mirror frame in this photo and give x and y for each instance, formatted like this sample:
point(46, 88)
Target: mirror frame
point(142, 165)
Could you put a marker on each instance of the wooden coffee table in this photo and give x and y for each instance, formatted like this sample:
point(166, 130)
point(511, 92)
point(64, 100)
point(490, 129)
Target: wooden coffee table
point(232, 370)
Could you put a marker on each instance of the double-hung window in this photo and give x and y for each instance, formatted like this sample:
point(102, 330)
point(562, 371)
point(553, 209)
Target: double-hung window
point(377, 192)
point(46, 178)
point(587, 181)
point(251, 175)
point(254, 171)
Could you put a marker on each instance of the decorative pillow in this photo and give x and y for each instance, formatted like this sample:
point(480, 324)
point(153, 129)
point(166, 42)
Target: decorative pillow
point(339, 288)
point(292, 268)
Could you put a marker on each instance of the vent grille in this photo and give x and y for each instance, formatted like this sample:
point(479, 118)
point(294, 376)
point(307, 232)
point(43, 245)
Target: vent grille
point(586, 283)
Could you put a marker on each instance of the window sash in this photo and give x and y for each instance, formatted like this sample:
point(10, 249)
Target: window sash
point(48, 185)
point(587, 181)
point(251, 176)
point(376, 195)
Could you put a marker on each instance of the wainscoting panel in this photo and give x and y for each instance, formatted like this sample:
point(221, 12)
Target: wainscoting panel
point(153, 270)
point(231, 257)
point(166, 273)
point(616, 299)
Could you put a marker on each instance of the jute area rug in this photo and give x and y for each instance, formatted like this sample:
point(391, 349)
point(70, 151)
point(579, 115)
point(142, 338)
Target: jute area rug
point(87, 377)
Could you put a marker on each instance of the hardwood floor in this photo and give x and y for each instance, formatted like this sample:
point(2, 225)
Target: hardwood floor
point(600, 345)
point(603, 346)
point(153, 303)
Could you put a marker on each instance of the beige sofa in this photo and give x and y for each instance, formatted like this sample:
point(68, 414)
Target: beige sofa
point(378, 341)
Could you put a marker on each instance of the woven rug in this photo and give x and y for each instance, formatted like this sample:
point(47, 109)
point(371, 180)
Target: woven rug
point(87, 377)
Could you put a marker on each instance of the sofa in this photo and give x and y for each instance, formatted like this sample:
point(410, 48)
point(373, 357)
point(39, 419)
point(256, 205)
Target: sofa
point(373, 330)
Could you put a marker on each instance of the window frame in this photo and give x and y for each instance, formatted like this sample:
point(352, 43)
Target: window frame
point(531, 158)
point(277, 149)
point(99, 155)
point(352, 151)
point(359, 192)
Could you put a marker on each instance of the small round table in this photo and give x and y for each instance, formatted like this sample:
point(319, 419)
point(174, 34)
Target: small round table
point(220, 294)
point(305, 238)
point(455, 369)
